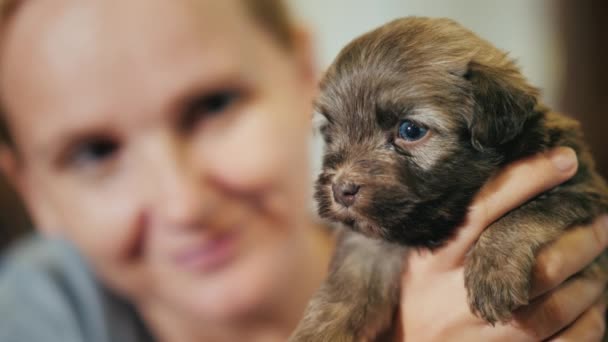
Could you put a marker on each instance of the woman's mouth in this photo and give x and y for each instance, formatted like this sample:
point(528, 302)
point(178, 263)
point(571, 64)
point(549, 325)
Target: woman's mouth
point(210, 254)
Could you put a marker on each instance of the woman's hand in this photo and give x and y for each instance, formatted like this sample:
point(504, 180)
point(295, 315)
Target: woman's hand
point(434, 304)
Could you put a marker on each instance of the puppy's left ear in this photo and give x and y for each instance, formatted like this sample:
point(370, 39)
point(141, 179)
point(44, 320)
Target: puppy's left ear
point(504, 102)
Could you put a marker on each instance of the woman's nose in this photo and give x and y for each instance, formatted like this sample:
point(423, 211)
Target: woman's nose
point(176, 186)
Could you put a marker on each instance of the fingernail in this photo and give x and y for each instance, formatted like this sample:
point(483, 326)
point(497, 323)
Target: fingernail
point(564, 159)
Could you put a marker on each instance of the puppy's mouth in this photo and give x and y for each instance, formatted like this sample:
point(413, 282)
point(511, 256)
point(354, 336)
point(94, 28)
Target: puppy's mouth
point(352, 217)
point(349, 200)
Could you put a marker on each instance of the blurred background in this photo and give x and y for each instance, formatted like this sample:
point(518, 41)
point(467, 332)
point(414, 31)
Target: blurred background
point(561, 46)
point(527, 29)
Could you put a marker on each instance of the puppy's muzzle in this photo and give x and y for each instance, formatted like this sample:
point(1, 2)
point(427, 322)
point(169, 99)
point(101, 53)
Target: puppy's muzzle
point(345, 193)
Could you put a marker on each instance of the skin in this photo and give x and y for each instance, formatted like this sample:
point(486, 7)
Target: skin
point(183, 130)
point(430, 284)
point(162, 190)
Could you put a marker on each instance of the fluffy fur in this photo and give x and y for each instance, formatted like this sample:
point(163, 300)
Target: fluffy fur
point(481, 114)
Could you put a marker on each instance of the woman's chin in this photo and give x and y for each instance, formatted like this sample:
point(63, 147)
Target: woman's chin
point(237, 291)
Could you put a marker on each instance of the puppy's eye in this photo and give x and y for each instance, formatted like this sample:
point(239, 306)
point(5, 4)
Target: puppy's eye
point(410, 131)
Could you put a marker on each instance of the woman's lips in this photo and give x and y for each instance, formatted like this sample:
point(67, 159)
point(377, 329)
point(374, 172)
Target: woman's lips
point(210, 254)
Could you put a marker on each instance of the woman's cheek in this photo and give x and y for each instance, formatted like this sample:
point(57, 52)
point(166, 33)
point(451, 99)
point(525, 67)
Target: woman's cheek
point(104, 221)
point(261, 155)
point(249, 155)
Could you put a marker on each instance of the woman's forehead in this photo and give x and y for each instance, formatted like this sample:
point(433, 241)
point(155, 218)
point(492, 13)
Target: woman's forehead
point(63, 32)
point(92, 60)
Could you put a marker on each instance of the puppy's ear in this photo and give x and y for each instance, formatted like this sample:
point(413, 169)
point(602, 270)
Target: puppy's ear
point(503, 103)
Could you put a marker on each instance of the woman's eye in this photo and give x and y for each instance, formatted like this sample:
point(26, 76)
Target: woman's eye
point(209, 105)
point(94, 151)
point(410, 131)
point(217, 102)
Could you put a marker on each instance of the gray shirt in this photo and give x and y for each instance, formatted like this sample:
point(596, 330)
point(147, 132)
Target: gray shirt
point(48, 293)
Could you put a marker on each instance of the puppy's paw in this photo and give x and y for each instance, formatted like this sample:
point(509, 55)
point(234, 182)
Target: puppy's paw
point(496, 286)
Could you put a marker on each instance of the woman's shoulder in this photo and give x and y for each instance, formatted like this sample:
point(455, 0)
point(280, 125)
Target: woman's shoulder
point(36, 265)
point(48, 293)
point(35, 253)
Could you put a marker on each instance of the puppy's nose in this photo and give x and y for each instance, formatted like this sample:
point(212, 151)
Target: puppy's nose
point(345, 193)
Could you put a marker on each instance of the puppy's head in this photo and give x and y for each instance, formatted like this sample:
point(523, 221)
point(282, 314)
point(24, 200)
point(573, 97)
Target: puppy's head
point(420, 113)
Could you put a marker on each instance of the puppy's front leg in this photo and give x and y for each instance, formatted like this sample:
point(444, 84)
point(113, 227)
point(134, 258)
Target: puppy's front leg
point(359, 297)
point(498, 268)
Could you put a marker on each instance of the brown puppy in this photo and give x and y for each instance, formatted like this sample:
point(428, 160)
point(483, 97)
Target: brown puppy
point(420, 113)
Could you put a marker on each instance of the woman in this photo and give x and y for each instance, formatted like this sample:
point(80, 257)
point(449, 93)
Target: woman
point(167, 141)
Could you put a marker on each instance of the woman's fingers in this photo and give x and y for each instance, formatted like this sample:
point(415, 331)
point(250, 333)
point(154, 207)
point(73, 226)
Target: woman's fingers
point(553, 311)
point(521, 181)
point(568, 255)
point(510, 188)
point(591, 326)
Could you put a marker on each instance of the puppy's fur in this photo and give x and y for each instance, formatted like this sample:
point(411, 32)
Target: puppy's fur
point(481, 114)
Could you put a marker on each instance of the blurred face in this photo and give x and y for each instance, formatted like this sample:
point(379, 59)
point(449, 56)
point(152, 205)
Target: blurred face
point(167, 139)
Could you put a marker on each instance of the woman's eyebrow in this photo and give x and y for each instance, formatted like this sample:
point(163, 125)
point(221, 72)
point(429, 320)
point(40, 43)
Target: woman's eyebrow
point(202, 75)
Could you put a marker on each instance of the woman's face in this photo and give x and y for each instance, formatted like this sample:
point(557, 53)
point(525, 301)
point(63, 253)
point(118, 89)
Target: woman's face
point(167, 139)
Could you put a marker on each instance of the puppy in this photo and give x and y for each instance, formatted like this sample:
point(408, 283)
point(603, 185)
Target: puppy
point(420, 114)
